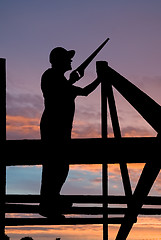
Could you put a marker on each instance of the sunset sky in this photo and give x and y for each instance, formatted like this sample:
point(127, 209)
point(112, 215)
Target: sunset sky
point(29, 30)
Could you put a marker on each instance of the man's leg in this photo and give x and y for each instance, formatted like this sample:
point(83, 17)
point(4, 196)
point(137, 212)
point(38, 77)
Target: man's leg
point(53, 178)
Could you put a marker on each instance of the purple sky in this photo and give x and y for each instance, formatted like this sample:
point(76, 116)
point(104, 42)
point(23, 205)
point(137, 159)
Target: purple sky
point(29, 30)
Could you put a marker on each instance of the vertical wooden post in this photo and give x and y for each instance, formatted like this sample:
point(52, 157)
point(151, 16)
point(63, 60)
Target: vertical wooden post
point(2, 141)
point(101, 66)
point(117, 134)
point(104, 110)
point(104, 166)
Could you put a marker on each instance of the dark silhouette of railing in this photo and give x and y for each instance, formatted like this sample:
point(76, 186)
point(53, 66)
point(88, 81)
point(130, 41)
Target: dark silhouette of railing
point(97, 151)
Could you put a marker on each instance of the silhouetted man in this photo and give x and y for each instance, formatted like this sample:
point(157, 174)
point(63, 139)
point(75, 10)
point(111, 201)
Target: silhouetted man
point(56, 125)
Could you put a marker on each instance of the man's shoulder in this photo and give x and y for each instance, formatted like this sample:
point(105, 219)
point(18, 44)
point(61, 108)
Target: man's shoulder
point(45, 78)
point(47, 73)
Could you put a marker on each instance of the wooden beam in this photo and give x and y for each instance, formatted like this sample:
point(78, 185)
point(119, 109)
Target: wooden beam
point(2, 141)
point(96, 199)
point(97, 151)
point(100, 70)
point(24, 208)
point(2, 100)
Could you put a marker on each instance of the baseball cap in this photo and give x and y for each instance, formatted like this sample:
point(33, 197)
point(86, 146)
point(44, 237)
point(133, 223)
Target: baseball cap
point(60, 52)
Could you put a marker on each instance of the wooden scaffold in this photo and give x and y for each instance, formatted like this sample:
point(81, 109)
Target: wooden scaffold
point(103, 151)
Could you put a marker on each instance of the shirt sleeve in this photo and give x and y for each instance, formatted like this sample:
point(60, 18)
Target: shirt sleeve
point(78, 91)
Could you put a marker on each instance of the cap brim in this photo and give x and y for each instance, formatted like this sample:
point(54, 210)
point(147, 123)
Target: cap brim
point(71, 53)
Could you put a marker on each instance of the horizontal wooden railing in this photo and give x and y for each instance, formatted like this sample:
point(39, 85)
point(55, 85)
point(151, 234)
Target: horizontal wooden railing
point(84, 151)
point(95, 199)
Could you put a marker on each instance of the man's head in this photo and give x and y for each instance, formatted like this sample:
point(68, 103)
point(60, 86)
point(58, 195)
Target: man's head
point(61, 58)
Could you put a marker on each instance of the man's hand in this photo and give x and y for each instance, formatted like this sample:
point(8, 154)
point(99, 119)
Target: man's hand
point(75, 76)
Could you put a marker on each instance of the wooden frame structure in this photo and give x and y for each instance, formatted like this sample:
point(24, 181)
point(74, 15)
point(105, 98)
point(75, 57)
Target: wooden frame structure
point(98, 151)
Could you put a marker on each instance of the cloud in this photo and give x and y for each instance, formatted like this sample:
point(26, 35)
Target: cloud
point(86, 130)
point(51, 232)
point(152, 85)
point(146, 228)
point(87, 121)
point(130, 131)
point(26, 105)
point(23, 115)
point(87, 167)
point(97, 180)
point(20, 127)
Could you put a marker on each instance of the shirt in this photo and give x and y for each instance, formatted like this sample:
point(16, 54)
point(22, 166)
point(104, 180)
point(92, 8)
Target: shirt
point(59, 100)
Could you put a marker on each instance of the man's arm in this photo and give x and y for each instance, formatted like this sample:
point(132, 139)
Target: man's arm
point(89, 88)
point(74, 76)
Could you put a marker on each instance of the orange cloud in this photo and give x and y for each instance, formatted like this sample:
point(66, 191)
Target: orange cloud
point(91, 168)
point(22, 126)
point(67, 232)
point(147, 228)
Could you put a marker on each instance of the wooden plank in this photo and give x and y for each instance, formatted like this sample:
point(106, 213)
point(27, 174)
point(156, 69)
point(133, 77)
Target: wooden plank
point(98, 151)
point(100, 66)
point(73, 198)
point(23, 208)
point(96, 199)
point(2, 141)
point(104, 137)
point(2, 100)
